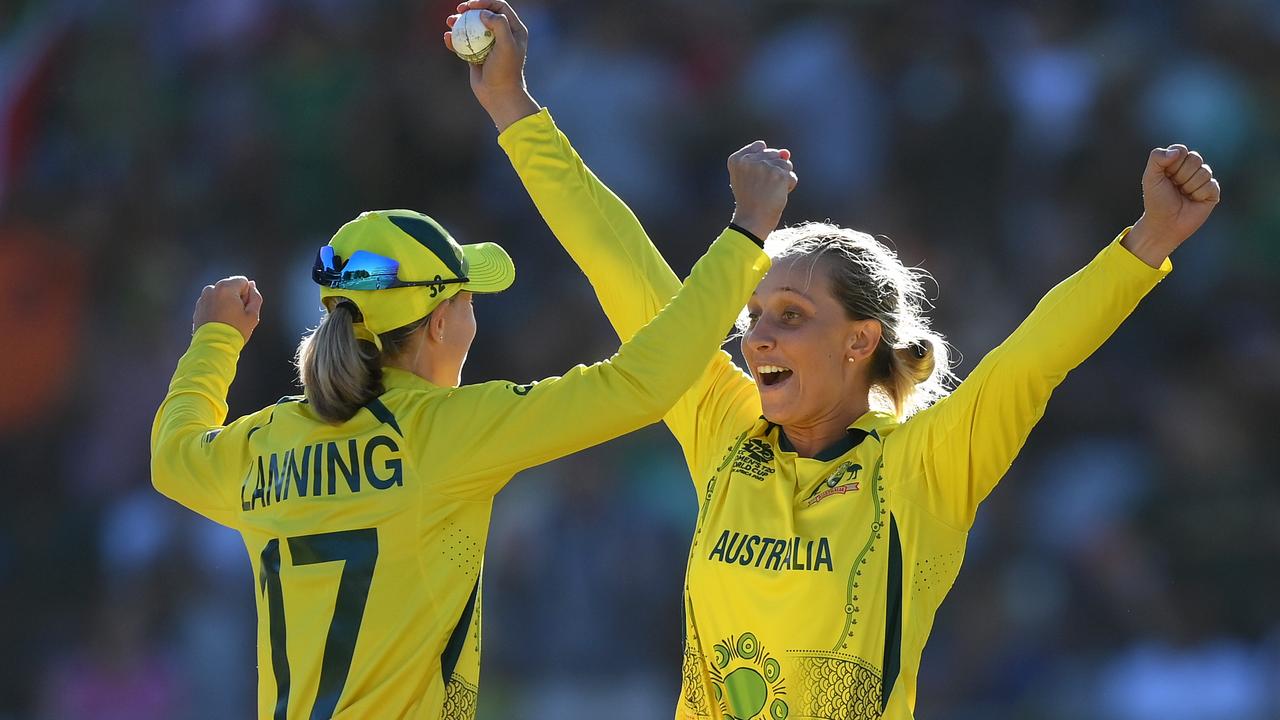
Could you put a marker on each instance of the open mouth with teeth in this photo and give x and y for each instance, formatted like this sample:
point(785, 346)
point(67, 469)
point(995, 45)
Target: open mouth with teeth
point(771, 375)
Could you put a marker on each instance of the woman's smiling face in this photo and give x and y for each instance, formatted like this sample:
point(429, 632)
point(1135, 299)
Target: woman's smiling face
point(799, 343)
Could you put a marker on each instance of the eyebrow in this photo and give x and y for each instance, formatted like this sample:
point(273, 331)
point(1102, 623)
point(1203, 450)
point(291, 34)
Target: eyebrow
point(787, 289)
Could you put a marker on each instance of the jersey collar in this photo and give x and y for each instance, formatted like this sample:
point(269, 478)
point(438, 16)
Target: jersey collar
point(394, 377)
point(867, 425)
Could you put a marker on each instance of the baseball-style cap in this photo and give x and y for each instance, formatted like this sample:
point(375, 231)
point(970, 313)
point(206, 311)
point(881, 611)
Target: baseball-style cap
point(398, 265)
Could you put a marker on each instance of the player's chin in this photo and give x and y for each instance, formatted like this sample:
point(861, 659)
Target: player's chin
point(777, 403)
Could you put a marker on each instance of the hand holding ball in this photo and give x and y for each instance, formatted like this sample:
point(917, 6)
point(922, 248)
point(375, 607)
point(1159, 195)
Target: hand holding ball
point(490, 37)
point(472, 41)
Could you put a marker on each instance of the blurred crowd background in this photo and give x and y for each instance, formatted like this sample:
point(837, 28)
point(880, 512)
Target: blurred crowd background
point(1128, 566)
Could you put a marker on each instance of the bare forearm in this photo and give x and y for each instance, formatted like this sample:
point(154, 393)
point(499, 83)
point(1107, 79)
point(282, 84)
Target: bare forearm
point(510, 107)
point(1147, 246)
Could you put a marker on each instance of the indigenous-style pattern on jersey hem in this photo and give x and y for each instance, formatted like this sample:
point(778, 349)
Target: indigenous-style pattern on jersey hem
point(459, 699)
point(836, 688)
point(694, 694)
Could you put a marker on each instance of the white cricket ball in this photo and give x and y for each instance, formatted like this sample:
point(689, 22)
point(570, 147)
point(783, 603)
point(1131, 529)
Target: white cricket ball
point(472, 41)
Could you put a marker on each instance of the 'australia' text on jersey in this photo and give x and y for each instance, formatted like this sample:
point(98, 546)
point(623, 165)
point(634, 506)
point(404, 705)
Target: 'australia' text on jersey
point(793, 553)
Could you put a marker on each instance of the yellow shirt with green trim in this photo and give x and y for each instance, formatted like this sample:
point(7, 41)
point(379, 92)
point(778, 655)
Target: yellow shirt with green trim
point(812, 583)
point(366, 538)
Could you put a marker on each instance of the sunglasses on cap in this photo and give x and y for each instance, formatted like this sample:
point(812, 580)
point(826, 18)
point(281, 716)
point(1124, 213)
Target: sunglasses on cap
point(367, 271)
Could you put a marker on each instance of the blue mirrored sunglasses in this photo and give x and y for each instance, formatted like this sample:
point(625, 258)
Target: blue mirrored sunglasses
point(367, 271)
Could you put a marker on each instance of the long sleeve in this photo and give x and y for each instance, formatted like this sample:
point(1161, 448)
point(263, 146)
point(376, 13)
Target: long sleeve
point(499, 428)
point(950, 456)
point(631, 279)
point(194, 459)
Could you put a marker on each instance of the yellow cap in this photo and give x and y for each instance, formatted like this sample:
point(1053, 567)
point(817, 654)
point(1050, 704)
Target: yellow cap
point(425, 251)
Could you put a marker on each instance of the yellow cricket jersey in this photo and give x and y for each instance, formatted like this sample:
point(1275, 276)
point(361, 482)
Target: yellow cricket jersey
point(812, 583)
point(366, 538)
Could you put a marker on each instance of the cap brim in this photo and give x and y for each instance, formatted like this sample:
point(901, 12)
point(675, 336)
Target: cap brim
point(489, 268)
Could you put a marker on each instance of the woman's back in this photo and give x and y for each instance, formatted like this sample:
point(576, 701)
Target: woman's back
point(366, 553)
point(350, 540)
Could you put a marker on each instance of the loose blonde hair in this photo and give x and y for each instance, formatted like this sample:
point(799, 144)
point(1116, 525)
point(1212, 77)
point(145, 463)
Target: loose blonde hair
point(910, 369)
point(339, 372)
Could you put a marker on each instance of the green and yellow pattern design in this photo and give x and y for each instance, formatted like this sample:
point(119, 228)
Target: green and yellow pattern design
point(747, 681)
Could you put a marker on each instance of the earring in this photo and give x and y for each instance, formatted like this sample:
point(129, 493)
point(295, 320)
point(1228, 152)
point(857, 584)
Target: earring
point(849, 359)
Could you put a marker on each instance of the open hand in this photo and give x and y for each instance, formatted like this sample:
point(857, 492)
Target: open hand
point(1178, 193)
point(234, 301)
point(761, 177)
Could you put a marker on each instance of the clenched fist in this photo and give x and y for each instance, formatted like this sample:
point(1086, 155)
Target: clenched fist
point(234, 301)
point(1178, 193)
point(761, 178)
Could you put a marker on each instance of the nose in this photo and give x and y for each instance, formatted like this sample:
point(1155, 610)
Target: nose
point(759, 338)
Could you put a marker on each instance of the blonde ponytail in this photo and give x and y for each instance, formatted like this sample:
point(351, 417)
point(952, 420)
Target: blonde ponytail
point(339, 373)
point(916, 375)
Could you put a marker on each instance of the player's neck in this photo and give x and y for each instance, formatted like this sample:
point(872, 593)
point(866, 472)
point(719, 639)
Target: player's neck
point(441, 374)
point(812, 437)
point(429, 366)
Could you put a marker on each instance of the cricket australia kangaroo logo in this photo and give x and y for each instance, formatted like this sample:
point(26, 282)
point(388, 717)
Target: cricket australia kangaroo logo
point(754, 459)
point(843, 480)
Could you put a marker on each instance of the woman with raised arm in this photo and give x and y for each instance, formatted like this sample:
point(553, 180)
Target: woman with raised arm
point(837, 479)
point(365, 503)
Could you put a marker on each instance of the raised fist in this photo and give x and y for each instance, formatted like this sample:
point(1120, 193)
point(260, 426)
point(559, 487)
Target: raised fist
point(761, 178)
point(234, 301)
point(1178, 193)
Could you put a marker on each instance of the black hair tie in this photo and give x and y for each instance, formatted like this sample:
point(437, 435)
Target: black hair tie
point(918, 349)
point(356, 315)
